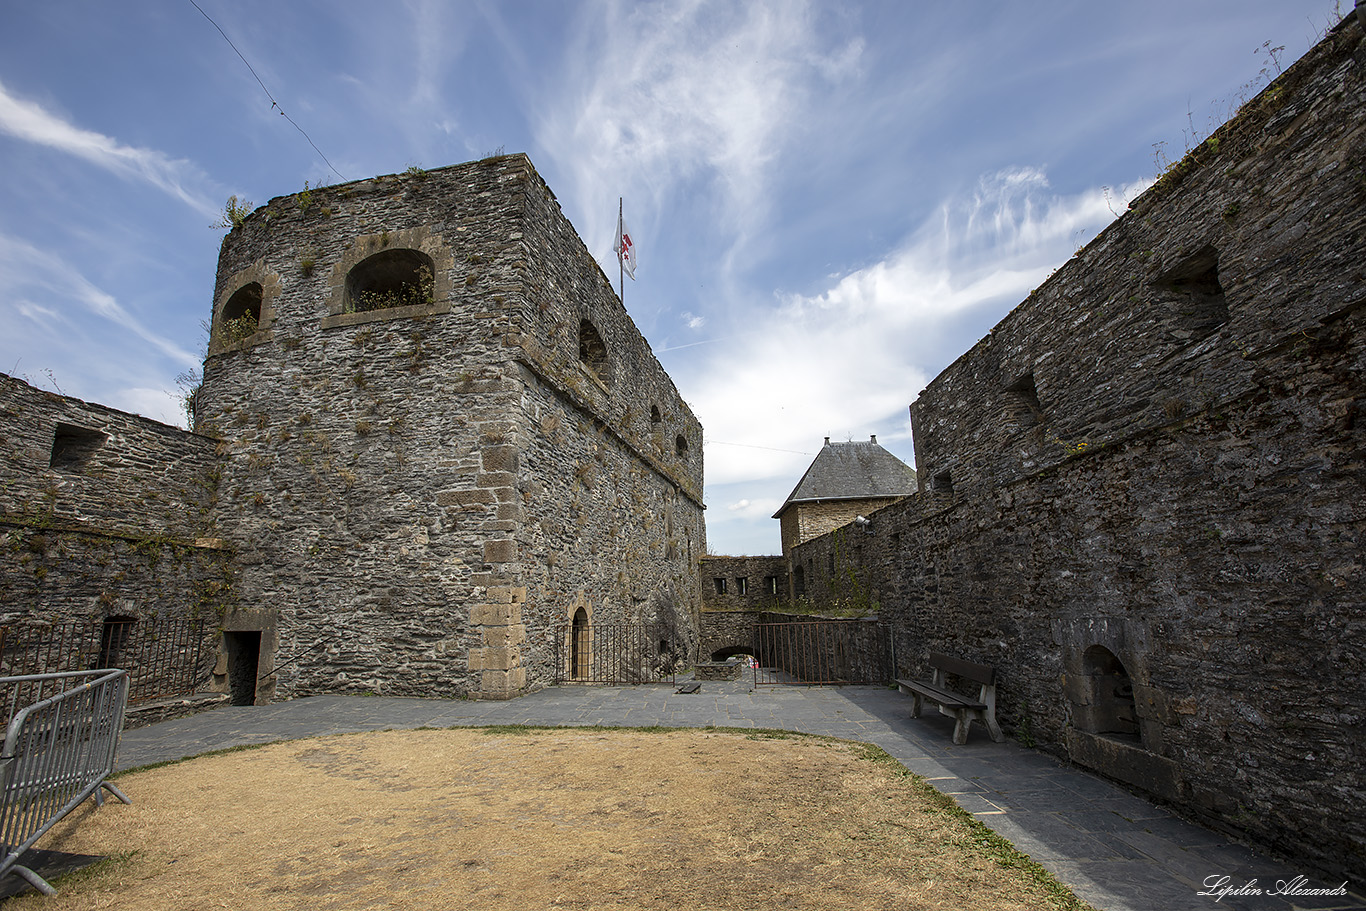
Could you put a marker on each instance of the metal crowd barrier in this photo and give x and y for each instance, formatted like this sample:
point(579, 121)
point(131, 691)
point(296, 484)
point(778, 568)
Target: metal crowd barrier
point(57, 752)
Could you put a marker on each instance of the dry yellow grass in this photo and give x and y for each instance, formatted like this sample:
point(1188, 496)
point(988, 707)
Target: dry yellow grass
point(523, 819)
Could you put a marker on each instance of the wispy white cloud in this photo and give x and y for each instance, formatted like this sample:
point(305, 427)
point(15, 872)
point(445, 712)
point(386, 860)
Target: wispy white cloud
point(30, 122)
point(158, 404)
point(33, 275)
point(662, 95)
point(848, 361)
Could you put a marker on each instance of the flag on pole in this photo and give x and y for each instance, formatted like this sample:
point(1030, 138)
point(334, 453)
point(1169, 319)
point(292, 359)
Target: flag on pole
point(626, 248)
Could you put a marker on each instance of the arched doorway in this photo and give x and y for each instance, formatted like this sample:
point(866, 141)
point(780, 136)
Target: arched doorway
point(579, 645)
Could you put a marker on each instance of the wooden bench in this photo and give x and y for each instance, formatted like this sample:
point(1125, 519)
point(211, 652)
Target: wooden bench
point(953, 704)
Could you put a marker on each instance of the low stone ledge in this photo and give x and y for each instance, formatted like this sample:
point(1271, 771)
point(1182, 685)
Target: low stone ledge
point(138, 716)
point(716, 670)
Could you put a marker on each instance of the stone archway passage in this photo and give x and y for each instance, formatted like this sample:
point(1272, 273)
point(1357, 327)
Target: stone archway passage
point(731, 651)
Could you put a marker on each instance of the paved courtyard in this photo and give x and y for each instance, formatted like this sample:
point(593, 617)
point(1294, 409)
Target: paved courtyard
point(1115, 850)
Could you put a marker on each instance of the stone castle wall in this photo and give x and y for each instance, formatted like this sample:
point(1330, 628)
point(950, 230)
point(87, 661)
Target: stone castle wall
point(750, 583)
point(1143, 500)
point(396, 479)
point(804, 521)
point(103, 513)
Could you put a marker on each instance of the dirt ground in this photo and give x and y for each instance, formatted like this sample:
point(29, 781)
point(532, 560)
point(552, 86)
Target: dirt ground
point(506, 818)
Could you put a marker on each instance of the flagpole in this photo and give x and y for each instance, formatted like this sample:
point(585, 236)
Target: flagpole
point(621, 260)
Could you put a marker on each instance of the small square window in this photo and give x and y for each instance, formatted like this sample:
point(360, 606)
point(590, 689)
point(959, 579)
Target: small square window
point(720, 585)
point(73, 447)
point(741, 585)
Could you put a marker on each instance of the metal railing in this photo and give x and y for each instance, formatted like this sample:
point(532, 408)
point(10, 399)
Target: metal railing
point(163, 656)
point(57, 753)
point(823, 652)
point(615, 654)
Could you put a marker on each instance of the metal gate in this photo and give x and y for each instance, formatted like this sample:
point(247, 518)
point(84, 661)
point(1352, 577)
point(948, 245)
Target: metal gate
point(58, 752)
point(614, 654)
point(823, 652)
point(163, 656)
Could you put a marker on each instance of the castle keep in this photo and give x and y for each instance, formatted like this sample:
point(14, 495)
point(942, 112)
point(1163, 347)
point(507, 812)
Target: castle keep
point(444, 437)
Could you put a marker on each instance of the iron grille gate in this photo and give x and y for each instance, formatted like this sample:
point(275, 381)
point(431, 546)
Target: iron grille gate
point(820, 652)
point(615, 654)
point(163, 656)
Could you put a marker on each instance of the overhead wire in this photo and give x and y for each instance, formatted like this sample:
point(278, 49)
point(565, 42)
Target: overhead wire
point(752, 446)
point(274, 105)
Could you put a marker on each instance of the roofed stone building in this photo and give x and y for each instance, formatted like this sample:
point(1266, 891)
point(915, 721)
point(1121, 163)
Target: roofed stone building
point(846, 480)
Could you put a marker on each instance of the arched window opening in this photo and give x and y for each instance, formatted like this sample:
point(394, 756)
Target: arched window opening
point(655, 418)
point(579, 647)
point(241, 315)
point(392, 278)
point(1112, 710)
point(592, 350)
point(681, 446)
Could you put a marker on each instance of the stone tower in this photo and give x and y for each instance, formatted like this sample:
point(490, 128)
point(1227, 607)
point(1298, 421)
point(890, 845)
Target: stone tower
point(442, 438)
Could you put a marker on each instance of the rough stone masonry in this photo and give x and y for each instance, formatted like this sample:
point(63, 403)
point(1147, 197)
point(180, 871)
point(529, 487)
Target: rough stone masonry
point(1144, 492)
point(428, 438)
point(422, 491)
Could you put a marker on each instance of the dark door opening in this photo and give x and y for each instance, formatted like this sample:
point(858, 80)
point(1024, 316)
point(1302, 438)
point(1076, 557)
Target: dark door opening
point(114, 638)
point(244, 659)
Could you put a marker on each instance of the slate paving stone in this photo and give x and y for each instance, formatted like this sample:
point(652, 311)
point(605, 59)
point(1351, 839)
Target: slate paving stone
point(977, 805)
point(958, 786)
point(1116, 850)
point(1126, 885)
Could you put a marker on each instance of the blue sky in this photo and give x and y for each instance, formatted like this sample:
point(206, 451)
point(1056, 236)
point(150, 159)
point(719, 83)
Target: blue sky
point(831, 201)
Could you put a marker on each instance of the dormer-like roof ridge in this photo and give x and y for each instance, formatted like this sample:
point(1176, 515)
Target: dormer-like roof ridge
point(852, 471)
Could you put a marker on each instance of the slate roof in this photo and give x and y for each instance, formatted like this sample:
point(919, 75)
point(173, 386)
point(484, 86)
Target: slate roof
point(852, 471)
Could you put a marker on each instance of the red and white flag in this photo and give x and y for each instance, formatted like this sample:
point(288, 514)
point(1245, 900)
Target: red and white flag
point(626, 248)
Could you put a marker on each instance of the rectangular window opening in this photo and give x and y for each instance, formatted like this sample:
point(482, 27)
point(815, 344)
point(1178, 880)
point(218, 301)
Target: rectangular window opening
point(73, 447)
point(1021, 404)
